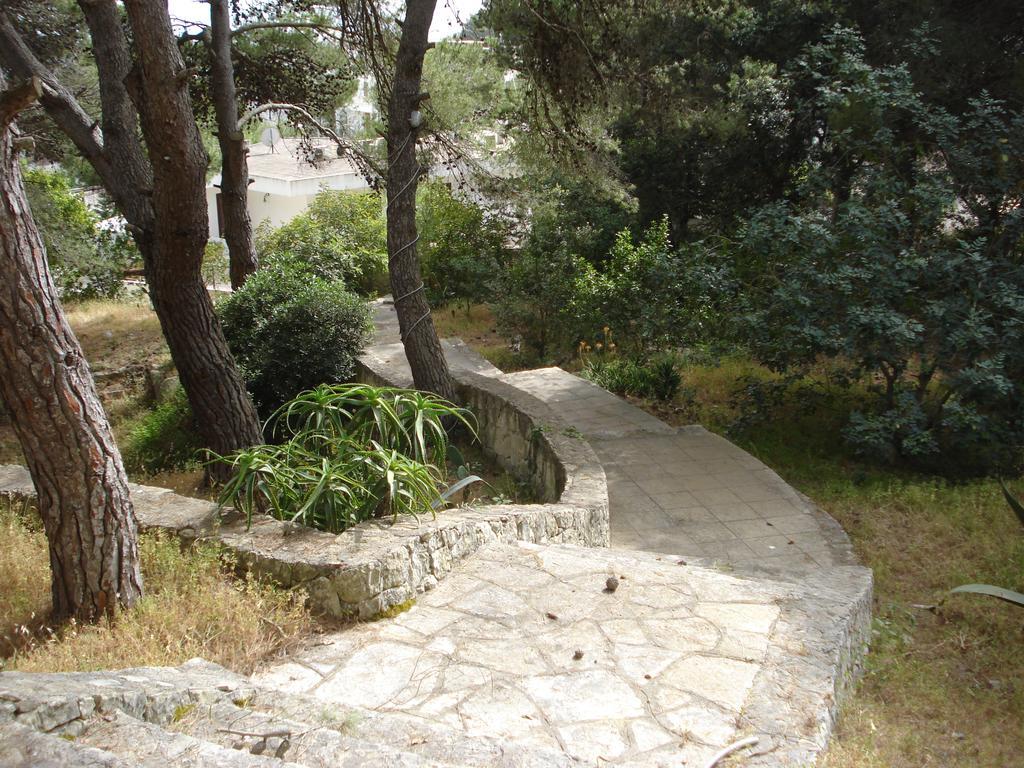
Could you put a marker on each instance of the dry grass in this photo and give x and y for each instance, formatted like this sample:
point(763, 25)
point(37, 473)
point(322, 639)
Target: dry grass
point(193, 607)
point(479, 330)
point(119, 336)
point(944, 687)
point(25, 574)
point(115, 334)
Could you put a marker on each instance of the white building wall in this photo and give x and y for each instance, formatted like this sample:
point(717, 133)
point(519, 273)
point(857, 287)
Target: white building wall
point(277, 209)
point(279, 201)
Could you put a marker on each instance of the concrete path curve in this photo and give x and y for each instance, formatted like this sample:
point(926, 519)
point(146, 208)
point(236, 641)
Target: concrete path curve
point(679, 491)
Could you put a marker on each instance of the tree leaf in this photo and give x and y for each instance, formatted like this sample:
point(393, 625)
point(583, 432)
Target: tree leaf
point(992, 591)
point(455, 488)
point(1015, 505)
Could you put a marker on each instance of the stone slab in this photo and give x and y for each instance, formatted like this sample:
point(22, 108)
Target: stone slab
point(525, 643)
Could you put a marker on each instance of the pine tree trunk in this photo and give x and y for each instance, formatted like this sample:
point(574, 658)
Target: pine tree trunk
point(234, 175)
point(422, 347)
point(64, 434)
point(225, 415)
point(161, 194)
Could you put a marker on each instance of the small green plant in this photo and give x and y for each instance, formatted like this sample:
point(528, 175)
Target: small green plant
point(1000, 593)
point(664, 378)
point(657, 379)
point(164, 438)
point(397, 610)
point(350, 452)
point(537, 431)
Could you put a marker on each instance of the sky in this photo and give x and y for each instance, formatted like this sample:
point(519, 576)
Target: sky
point(446, 17)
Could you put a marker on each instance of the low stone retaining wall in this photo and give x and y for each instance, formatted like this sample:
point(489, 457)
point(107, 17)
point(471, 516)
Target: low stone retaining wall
point(380, 564)
point(518, 431)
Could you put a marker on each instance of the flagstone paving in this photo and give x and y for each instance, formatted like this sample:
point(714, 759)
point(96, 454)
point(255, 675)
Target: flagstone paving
point(527, 644)
point(665, 665)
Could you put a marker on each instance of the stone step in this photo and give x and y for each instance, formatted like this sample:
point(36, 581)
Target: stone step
point(62, 703)
point(24, 747)
point(149, 745)
point(439, 744)
point(313, 745)
point(320, 734)
point(200, 714)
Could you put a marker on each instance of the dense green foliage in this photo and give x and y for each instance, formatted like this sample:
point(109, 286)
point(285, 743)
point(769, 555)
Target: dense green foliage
point(341, 236)
point(460, 246)
point(216, 267)
point(903, 262)
point(467, 86)
point(350, 453)
point(86, 261)
point(840, 182)
point(533, 299)
point(634, 292)
point(291, 65)
point(700, 99)
point(290, 331)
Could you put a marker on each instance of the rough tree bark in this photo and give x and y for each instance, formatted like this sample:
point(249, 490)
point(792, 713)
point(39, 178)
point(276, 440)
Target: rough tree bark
point(220, 403)
point(165, 211)
point(422, 347)
point(234, 175)
point(48, 389)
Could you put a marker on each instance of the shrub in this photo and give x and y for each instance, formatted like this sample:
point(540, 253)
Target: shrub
point(460, 246)
point(657, 379)
point(216, 265)
point(165, 438)
point(635, 292)
point(86, 262)
point(342, 236)
point(290, 331)
point(903, 265)
point(652, 295)
point(534, 299)
point(351, 452)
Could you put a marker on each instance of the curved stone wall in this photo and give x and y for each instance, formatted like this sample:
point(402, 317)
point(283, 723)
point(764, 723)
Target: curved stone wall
point(380, 564)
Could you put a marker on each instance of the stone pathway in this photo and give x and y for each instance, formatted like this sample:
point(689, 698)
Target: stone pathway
point(527, 644)
point(728, 607)
point(683, 491)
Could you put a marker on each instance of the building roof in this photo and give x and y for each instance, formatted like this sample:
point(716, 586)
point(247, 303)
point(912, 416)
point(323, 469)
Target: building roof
point(286, 160)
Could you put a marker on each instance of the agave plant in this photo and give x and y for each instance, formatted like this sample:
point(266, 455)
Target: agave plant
point(350, 452)
point(1000, 593)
